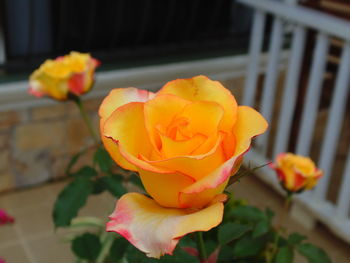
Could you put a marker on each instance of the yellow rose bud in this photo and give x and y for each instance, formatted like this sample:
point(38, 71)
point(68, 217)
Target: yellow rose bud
point(185, 141)
point(71, 74)
point(295, 172)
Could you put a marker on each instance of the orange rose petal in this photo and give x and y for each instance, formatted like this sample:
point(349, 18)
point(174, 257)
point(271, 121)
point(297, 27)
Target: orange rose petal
point(115, 99)
point(165, 188)
point(201, 88)
point(203, 117)
point(171, 148)
point(196, 166)
point(156, 230)
point(202, 198)
point(160, 113)
point(125, 127)
point(120, 97)
point(250, 123)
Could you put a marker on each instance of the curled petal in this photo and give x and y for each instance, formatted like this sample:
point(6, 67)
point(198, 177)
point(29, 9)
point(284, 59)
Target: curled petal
point(250, 123)
point(201, 88)
point(165, 188)
point(156, 230)
point(126, 128)
point(115, 99)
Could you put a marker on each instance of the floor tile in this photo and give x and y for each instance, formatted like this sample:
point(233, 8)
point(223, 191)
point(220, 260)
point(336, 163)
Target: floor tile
point(14, 254)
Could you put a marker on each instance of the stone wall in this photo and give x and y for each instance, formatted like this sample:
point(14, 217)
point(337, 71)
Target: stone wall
point(36, 143)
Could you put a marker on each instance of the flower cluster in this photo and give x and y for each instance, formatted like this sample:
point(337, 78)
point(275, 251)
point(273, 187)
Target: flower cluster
point(296, 173)
point(185, 141)
point(71, 74)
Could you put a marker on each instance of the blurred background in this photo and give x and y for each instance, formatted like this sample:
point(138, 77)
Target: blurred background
point(301, 49)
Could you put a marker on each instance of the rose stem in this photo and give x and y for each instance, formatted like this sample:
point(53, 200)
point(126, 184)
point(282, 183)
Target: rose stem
point(86, 118)
point(201, 248)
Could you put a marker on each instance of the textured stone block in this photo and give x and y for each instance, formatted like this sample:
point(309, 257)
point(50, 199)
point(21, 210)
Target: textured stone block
point(49, 112)
point(35, 136)
point(9, 119)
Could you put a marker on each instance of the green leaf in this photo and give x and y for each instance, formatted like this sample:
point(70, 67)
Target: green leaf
point(261, 228)
point(86, 246)
point(313, 254)
point(85, 171)
point(113, 184)
point(284, 255)
point(296, 238)
point(118, 249)
point(269, 213)
point(99, 187)
point(231, 231)
point(103, 160)
point(248, 246)
point(248, 214)
point(135, 179)
point(70, 200)
point(73, 161)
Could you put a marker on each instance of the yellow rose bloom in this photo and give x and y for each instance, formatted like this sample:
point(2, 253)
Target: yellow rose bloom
point(296, 172)
point(70, 74)
point(185, 142)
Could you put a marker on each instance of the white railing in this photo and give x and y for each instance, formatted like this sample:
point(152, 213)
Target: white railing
point(334, 214)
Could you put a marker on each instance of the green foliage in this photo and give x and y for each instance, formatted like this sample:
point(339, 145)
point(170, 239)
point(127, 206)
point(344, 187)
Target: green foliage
point(248, 214)
point(231, 231)
point(118, 249)
point(135, 179)
point(113, 183)
point(85, 171)
point(313, 254)
point(87, 246)
point(103, 160)
point(70, 200)
point(284, 255)
point(249, 246)
point(295, 238)
point(73, 161)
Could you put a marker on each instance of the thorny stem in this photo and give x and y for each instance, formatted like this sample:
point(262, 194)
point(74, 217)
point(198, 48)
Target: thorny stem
point(86, 119)
point(201, 248)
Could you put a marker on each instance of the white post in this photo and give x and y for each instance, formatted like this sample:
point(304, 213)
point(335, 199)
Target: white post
point(290, 92)
point(335, 119)
point(270, 79)
point(256, 39)
point(313, 95)
point(343, 207)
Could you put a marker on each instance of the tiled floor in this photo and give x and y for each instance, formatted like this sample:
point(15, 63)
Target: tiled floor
point(32, 238)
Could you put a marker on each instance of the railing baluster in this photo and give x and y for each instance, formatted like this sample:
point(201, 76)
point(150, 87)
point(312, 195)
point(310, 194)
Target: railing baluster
point(290, 92)
point(335, 119)
point(256, 39)
point(270, 79)
point(343, 207)
point(313, 95)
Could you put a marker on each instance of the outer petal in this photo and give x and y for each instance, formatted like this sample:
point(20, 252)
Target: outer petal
point(156, 230)
point(201, 88)
point(126, 128)
point(114, 100)
point(196, 166)
point(250, 123)
point(165, 188)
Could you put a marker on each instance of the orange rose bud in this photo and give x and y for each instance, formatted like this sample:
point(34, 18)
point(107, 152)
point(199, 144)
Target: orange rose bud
point(296, 173)
point(185, 141)
point(71, 74)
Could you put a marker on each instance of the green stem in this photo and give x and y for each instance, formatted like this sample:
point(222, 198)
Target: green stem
point(285, 211)
point(201, 247)
point(86, 119)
